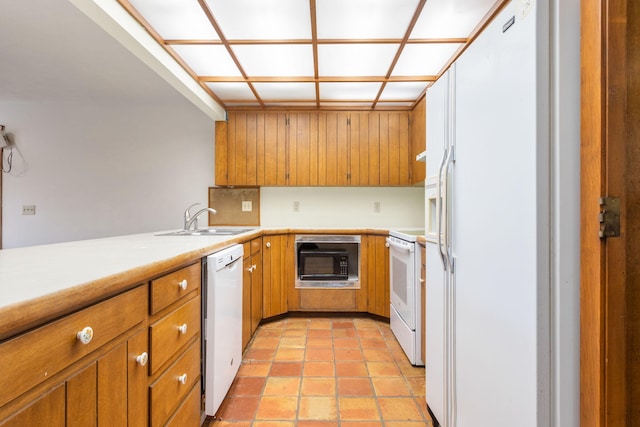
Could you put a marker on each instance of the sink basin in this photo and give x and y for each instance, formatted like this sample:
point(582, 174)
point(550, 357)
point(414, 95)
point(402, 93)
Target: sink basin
point(208, 232)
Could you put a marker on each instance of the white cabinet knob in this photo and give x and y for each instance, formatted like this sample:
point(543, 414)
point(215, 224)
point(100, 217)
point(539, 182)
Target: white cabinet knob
point(182, 379)
point(183, 329)
point(142, 358)
point(183, 284)
point(386, 245)
point(268, 244)
point(85, 336)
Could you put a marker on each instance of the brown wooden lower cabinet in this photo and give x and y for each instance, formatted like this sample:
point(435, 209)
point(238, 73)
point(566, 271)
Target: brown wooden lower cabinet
point(371, 297)
point(65, 388)
point(252, 295)
point(49, 407)
point(56, 380)
point(375, 265)
point(277, 264)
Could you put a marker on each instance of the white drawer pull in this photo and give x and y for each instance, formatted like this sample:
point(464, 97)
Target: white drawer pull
point(268, 244)
point(85, 336)
point(183, 329)
point(386, 245)
point(142, 358)
point(183, 284)
point(182, 379)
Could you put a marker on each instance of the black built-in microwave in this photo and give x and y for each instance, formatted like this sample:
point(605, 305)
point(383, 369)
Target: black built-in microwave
point(322, 264)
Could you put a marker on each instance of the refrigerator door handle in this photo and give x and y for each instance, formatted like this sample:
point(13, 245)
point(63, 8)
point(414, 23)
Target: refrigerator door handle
point(439, 209)
point(447, 236)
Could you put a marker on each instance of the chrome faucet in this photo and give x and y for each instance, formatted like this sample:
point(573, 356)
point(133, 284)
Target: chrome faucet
point(192, 221)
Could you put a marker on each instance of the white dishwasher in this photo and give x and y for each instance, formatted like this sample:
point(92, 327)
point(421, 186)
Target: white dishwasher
point(223, 324)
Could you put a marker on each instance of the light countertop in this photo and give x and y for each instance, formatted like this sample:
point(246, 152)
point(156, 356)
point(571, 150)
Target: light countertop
point(41, 283)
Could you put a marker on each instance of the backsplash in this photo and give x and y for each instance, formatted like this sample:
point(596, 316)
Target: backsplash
point(342, 207)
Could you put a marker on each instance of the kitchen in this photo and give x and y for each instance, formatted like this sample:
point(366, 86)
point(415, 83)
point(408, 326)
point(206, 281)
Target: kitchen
point(124, 181)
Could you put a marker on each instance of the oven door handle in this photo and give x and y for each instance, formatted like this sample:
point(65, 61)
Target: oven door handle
point(403, 248)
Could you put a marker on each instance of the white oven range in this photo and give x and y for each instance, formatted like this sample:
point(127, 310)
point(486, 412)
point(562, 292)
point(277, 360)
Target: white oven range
point(404, 273)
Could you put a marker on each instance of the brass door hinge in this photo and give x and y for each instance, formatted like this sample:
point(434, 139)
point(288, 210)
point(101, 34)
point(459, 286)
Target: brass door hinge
point(609, 217)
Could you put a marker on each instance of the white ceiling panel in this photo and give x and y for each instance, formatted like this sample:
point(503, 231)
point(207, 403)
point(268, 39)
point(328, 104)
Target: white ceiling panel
point(286, 91)
point(424, 59)
point(208, 60)
point(355, 59)
point(402, 90)
point(260, 19)
point(235, 91)
point(275, 60)
point(368, 19)
point(450, 18)
point(176, 19)
point(347, 91)
point(348, 57)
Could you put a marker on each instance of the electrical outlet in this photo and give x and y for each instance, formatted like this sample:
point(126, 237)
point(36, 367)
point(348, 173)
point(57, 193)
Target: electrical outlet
point(28, 209)
point(376, 207)
point(247, 206)
point(296, 206)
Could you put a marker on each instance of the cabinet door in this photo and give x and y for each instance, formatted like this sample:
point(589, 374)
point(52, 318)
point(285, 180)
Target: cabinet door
point(333, 149)
point(418, 141)
point(137, 359)
point(48, 410)
point(242, 136)
point(275, 273)
point(222, 153)
point(246, 299)
point(303, 149)
point(256, 290)
point(389, 148)
point(359, 148)
point(377, 273)
point(97, 395)
point(272, 168)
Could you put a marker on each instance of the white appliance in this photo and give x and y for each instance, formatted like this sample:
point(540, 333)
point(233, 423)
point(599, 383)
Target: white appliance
point(406, 293)
point(223, 324)
point(487, 302)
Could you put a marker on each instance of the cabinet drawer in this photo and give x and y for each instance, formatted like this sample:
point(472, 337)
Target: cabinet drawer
point(168, 390)
point(188, 414)
point(169, 334)
point(256, 245)
point(43, 352)
point(173, 286)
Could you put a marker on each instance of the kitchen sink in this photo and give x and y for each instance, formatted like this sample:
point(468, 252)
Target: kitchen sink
point(208, 232)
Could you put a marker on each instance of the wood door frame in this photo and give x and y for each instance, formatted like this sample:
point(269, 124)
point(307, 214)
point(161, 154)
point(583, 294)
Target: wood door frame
point(603, 339)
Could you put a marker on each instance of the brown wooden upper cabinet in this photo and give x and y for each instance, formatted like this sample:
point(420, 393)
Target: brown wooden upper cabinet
point(326, 148)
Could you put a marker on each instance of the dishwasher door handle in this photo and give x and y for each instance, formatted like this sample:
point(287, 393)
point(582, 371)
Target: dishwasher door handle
point(399, 247)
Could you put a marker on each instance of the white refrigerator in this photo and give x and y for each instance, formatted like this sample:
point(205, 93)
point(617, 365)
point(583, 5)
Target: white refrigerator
point(487, 228)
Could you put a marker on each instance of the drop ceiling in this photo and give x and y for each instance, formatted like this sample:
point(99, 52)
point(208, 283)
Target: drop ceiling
point(333, 54)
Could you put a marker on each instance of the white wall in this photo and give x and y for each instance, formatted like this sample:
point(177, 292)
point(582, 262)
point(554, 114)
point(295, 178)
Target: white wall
point(102, 170)
point(338, 207)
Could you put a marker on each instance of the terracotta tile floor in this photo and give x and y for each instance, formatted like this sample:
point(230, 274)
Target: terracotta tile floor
point(324, 372)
